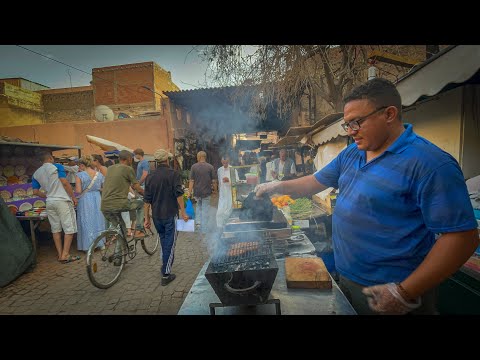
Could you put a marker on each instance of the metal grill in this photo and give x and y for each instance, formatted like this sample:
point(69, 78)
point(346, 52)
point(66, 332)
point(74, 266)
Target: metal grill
point(243, 252)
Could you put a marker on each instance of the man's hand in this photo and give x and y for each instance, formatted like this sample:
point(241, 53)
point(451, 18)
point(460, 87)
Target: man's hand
point(185, 216)
point(147, 223)
point(264, 189)
point(386, 300)
point(75, 201)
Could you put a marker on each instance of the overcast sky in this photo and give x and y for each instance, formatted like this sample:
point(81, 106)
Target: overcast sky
point(188, 71)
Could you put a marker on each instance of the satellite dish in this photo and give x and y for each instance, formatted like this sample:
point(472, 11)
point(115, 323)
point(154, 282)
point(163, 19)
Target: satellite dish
point(104, 113)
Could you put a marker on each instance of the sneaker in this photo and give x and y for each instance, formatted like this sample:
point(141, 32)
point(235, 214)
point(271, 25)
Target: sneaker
point(168, 279)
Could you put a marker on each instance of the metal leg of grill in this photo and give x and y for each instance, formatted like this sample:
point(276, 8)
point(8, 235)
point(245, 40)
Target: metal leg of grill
point(278, 310)
point(213, 306)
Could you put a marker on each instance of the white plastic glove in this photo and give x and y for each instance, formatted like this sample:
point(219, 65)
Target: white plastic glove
point(386, 300)
point(264, 188)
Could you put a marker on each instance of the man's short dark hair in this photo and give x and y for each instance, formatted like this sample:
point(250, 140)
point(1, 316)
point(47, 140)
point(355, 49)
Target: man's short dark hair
point(44, 155)
point(125, 155)
point(138, 152)
point(380, 92)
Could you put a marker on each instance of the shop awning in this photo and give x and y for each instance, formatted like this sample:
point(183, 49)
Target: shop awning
point(331, 132)
point(453, 65)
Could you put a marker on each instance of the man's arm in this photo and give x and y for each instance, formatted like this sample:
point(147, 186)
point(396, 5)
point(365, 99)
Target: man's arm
point(304, 186)
point(144, 176)
point(148, 221)
point(138, 188)
point(450, 252)
point(36, 189)
point(181, 205)
point(190, 188)
point(69, 190)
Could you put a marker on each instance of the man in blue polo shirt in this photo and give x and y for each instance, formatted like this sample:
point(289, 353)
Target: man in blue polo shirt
point(396, 191)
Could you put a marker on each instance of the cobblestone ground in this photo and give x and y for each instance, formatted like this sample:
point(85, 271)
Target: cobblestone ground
point(55, 288)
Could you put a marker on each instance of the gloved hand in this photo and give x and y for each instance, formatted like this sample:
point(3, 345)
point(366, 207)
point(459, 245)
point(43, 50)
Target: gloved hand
point(386, 300)
point(264, 189)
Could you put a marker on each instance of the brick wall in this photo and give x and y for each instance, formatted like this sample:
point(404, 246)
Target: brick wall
point(64, 105)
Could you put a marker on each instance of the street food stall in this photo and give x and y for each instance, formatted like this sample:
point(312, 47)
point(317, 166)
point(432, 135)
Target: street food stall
point(18, 162)
point(260, 265)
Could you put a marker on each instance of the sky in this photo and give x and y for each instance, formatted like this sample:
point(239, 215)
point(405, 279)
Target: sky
point(187, 69)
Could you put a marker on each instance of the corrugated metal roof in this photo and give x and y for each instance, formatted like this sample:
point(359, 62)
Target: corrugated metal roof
point(50, 146)
point(453, 65)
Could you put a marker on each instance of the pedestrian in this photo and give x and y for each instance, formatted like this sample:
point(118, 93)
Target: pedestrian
point(283, 167)
point(71, 169)
point(164, 194)
point(202, 179)
point(99, 164)
point(143, 168)
point(59, 204)
point(397, 191)
point(89, 184)
point(224, 208)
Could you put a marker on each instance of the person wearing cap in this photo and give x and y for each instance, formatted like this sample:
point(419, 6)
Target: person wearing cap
point(72, 169)
point(143, 168)
point(164, 194)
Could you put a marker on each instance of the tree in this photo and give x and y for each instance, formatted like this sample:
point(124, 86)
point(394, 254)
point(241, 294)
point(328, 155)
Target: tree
point(282, 74)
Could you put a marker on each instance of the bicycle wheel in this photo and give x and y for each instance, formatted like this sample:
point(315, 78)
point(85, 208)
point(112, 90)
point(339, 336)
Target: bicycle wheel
point(104, 263)
point(150, 242)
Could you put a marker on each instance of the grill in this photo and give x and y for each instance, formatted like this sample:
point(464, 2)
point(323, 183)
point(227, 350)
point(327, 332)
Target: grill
point(243, 274)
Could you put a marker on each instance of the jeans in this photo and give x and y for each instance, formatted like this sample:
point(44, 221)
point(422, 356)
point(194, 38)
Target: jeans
point(202, 212)
point(136, 211)
point(168, 236)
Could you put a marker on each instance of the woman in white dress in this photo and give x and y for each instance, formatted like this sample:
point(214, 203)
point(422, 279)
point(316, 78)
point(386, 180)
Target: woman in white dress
point(225, 192)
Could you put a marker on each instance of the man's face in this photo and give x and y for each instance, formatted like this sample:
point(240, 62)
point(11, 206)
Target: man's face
point(138, 156)
point(283, 155)
point(225, 162)
point(129, 161)
point(373, 130)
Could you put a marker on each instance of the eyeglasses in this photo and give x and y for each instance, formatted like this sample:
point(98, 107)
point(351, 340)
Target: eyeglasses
point(354, 125)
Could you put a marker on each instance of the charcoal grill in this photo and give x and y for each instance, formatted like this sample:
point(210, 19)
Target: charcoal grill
point(242, 274)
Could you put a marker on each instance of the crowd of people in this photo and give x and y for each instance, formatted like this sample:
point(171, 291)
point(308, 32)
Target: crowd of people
point(403, 220)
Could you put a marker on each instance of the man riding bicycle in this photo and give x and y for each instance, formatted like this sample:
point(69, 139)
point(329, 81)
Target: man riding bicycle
point(115, 200)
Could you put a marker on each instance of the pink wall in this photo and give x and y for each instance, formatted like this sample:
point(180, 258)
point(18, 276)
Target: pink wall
point(149, 135)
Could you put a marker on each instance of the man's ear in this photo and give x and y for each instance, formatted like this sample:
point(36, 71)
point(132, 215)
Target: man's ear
point(391, 113)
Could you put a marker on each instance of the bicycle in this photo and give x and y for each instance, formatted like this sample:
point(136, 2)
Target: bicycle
point(108, 253)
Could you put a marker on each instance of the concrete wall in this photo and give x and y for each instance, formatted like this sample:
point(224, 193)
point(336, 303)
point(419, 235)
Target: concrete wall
point(149, 134)
point(471, 131)
point(439, 120)
point(14, 116)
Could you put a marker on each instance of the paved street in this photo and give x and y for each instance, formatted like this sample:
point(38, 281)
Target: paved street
point(55, 288)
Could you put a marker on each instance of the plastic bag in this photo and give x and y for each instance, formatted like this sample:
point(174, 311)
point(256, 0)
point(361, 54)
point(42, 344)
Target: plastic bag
point(189, 209)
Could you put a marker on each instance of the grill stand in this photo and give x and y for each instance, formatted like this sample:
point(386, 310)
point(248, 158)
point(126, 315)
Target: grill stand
point(278, 310)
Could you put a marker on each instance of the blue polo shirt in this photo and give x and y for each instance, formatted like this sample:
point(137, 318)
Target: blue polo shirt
point(388, 210)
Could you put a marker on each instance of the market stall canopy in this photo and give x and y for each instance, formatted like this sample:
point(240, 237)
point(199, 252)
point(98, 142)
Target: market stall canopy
point(288, 141)
point(106, 145)
point(327, 134)
point(453, 65)
point(51, 147)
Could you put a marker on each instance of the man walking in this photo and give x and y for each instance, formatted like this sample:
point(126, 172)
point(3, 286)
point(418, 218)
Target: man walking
point(202, 177)
point(283, 167)
point(164, 193)
point(60, 201)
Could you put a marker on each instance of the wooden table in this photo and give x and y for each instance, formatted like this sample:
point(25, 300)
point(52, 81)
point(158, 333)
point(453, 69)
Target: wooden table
point(34, 223)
